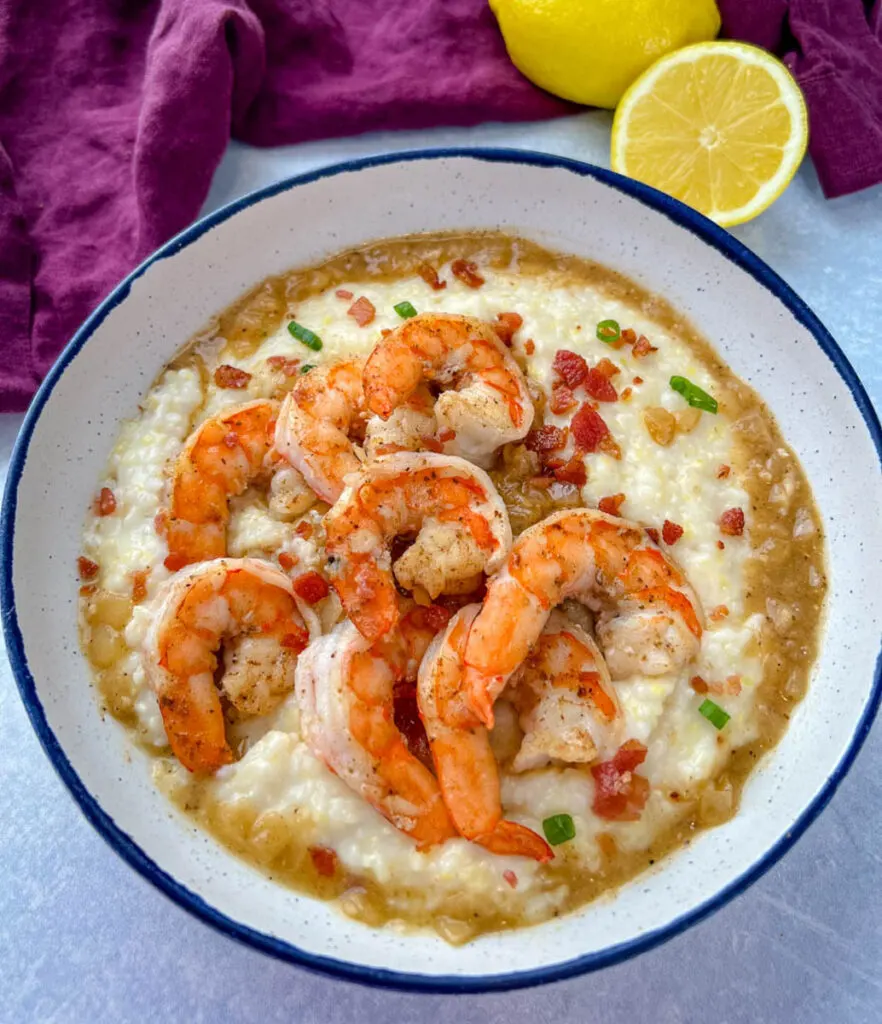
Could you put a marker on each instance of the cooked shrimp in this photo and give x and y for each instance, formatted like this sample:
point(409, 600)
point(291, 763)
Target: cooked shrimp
point(649, 617)
point(220, 459)
point(567, 706)
point(464, 761)
point(485, 402)
point(452, 507)
point(249, 608)
point(345, 689)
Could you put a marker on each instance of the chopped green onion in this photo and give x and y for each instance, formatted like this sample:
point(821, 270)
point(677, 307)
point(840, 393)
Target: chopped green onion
point(714, 713)
point(405, 310)
point(307, 367)
point(609, 331)
point(558, 829)
point(693, 394)
point(305, 336)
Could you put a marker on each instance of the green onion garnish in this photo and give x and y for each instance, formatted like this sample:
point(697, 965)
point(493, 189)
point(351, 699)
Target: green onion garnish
point(558, 829)
point(405, 310)
point(304, 335)
point(693, 394)
point(714, 714)
point(609, 331)
point(307, 367)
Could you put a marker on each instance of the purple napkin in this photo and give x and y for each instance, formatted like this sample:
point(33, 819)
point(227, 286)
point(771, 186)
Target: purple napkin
point(834, 49)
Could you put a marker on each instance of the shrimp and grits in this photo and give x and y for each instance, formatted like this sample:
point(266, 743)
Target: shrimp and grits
point(453, 579)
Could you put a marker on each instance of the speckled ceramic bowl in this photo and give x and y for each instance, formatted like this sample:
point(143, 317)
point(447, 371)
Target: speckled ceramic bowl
point(761, 328)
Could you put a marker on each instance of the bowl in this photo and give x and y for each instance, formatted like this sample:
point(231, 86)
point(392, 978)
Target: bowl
point(764, 331)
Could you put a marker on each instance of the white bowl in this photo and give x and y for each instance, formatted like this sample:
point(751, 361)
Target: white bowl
point(765, 333)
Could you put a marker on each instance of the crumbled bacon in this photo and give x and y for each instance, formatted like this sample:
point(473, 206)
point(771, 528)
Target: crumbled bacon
point(295, 641)
point(588, 428)
point(304, 529)
point(733, 685)
point(570, 367)
point(312, 587)
point(619, 793)
point(324, 860)
point(289, 367)
point(433, 616)
point(529, 346)
point(467, 272)
point(572, 472)
point(385, 332)
point(721, 545)
point(175, 561)
point(342, 293)
point(653, 534)
point(430, 275)
point(87, 569)
point(406, 716)
point(511, 878)
point(719, 613)
point(446, 435)
point(626, 394)
point(607, 367)
point(671, 532)
point(607, 444)
point(732, 522)
point(362, 311)
point(507, 325)
point(87, 590)
point(698, 684)
point(431, 443)
point(287, 561)
point(226, 376)
point(139, 585)
point(562, 399)
point(629, 336)
point(637, 380)
point(105, 503)
point(643, 347)
point(723, 471)
point(599, 387)
point(611, 504)
point(546, 439)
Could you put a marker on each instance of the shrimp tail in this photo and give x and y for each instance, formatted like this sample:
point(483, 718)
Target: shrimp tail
point(510, 838)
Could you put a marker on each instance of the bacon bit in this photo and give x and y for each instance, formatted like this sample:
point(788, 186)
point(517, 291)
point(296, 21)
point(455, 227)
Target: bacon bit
point(362, 311)
point(529, 346)
point(570, 367)
point(139, 585)
point(588, 428)
point(226, 376)
point(230, 440)
point(312, 587)
point(619, 793)
point(698, 684)
point(342, 293)
point(642, 347)
point(323, 860)
point(608, 446)
point(608, 368)
point(446, 435)
point(629, 336)
point(385, 332)
point(723, 471)
point(105, 503)
point(611, 504)
point(671, 532)
point(431, 443)
point(175, 561)
point(406, 716)
point(467, 272)
point(732, 522)
point(546, 439)
point(626, 394)
point(721, 545)
point(636, 380)
point(511, 878)
point(562, 399)
point(295, 641)
point(508, 324)
point(432, 616)
point(87, 569)
point(287, 561)
point(88, 590)
point(733, 685)
point(430, 275)
point(653, 534)
point(304, 529)
point(599, 387)
point(572, 472)
point(289, 367)
point(719, 613)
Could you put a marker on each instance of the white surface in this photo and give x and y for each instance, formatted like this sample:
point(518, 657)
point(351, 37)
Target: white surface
point(793, 945)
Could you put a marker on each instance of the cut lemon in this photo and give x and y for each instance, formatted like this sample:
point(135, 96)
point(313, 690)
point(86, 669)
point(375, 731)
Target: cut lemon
point(721, 126)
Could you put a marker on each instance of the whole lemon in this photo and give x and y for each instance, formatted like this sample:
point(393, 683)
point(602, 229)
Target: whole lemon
point(590, 51)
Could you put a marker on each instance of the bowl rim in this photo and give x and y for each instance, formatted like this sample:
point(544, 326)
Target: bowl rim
point(124, 845)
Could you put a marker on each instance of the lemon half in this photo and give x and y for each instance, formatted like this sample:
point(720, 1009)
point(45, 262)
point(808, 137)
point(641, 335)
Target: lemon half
point(720, 125)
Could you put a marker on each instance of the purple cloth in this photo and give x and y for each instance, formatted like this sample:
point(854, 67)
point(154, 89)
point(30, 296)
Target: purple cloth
point(115, 113)
point(834, 49)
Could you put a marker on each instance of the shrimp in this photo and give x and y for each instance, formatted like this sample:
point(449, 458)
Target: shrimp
point(485, 403)
point(250, 608)
point(567, 707)
point(649, 621)
point(464, 761)
point(345, 689)
point(452, 507)
point(220, 459)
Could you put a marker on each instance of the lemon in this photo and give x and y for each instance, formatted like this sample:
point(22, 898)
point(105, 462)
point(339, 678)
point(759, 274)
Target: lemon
point(590, 51)
point(721, 126)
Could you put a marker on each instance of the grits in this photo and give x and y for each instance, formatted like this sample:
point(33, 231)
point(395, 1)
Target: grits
point(277, 788)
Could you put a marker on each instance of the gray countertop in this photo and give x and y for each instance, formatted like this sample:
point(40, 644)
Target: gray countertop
point(82, 937)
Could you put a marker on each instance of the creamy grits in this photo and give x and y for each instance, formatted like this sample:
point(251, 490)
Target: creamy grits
point(720, 492)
